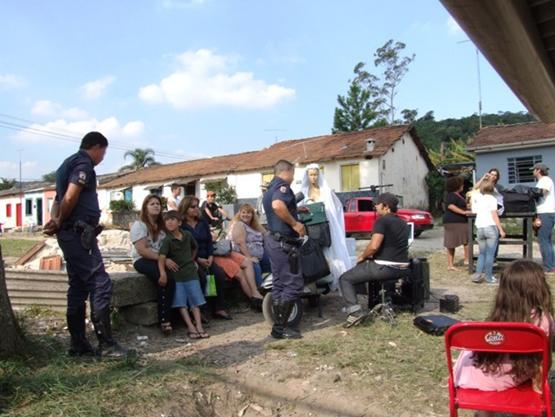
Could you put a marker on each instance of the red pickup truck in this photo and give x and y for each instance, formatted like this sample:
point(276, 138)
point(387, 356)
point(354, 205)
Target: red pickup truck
point(360, 216)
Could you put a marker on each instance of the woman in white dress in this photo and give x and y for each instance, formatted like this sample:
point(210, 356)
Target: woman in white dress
point(316, 189)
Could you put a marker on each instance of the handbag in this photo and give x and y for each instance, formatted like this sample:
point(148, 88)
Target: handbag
point(222, 247)
point(210, 290)
point(320, 232)
point(434, 324)
point(313, 262)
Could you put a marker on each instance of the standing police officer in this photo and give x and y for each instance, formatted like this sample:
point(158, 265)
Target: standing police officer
point(75, 216)
point(283, 244)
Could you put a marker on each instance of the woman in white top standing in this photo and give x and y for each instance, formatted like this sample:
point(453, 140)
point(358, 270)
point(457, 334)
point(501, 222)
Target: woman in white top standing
point(488, 231)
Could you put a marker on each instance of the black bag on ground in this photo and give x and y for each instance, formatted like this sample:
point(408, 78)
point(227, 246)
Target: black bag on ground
point(313, 261)
point(519, 200)
point(434, 324)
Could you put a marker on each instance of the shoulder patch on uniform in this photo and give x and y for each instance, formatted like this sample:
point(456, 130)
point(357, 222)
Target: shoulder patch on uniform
point(82, 177)
point(283, 189)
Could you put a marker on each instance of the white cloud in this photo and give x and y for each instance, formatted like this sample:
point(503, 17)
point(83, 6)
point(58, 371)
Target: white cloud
point(95, 89)
point(10, 169)
point(111, 127)
point(52, 109)
point(453, 27)
point(45, 108)
point(206, 79)
point(10, 81)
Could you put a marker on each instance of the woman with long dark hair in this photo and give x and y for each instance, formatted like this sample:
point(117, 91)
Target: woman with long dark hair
point(146, 235)
point(199, 228)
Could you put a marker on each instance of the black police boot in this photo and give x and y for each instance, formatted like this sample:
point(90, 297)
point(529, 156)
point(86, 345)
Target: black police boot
point(279, 324)
point(107, 346)
point(80, 346)
point(288, 331)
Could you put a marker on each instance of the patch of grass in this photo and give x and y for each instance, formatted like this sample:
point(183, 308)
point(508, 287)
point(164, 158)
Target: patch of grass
point(16, 247)
point(389, 361)
point(48, 382)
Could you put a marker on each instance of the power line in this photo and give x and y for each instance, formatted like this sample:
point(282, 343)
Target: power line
point(56, 134)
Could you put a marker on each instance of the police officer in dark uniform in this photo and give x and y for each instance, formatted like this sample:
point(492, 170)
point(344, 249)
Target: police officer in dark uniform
point(75, 217)
point(283, 244)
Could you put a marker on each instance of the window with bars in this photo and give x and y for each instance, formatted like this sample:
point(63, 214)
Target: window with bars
point(519, 168)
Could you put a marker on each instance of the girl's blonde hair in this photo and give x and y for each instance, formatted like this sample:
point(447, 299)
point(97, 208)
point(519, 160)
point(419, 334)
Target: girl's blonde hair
point(255, 223)
point(487, 187)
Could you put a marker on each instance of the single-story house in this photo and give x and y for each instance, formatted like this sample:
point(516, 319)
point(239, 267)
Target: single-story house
point(513, 150)
point(27, 206)
point(350, 161)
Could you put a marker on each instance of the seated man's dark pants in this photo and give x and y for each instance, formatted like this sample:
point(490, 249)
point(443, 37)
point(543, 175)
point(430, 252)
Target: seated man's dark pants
point(367, 271)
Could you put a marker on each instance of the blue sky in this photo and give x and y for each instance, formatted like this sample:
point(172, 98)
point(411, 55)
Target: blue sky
point(193, 78)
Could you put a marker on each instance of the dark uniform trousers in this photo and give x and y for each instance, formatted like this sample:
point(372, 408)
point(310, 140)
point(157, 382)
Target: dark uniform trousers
point(286, 286)
point(86, 273)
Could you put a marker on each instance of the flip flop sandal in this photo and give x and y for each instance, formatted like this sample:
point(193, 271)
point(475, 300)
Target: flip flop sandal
point(194, 335)
point(355, 320)
point(204, 335)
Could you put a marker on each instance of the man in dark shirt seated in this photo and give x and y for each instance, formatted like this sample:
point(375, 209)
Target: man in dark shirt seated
point(385, 257)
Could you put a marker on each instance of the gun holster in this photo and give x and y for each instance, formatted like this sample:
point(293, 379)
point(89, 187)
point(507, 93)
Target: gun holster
point(294, 259)
point(88, 233)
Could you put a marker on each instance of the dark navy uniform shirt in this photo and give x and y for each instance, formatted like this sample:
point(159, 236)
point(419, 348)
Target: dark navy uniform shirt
point(79, 169)
point(278, 189)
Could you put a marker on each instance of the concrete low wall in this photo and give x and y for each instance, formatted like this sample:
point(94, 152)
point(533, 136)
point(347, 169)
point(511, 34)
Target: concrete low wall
point(132, 291)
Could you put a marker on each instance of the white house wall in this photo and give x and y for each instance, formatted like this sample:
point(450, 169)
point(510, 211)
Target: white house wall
point(406, 170)
point(9, 222)
point(31, 219)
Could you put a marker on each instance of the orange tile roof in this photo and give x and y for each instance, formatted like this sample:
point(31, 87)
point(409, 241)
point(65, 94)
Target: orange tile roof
point(493, 136)
point(301, 151)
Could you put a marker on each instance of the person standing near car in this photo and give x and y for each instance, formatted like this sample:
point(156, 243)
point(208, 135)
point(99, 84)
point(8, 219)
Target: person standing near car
point(283, 244)
point(75, 216)
point(546, 214)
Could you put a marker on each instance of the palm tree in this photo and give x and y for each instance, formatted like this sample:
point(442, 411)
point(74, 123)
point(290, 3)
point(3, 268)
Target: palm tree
point(141, 158)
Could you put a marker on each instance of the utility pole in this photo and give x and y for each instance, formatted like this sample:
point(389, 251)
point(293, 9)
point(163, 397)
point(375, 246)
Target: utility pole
point(479, 83)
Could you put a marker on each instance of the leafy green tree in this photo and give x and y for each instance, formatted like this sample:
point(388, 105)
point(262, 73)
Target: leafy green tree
point(356, 111)
point(140, 158)
point(7, 183)
point(49, 177)
point(433, 132)
point(370, 100)
point(396, 67)
point(409, 115)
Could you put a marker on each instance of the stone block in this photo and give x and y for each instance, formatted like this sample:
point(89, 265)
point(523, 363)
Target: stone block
point(145, 314)
point(131, 288)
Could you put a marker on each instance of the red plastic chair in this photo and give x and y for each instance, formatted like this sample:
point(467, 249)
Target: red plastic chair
point(506, 338)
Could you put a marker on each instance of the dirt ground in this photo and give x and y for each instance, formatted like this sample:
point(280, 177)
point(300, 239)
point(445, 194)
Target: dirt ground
point(241, 371)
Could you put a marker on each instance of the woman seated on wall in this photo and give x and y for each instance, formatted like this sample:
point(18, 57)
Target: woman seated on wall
point(147, 235)
point(189, 210)
point(247, 238)
point(234, 265)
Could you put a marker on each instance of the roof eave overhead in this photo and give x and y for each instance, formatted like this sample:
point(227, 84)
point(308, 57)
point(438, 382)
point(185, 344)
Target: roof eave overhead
point(507, 35)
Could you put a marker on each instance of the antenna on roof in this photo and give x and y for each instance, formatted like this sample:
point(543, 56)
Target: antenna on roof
point(275, 130)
